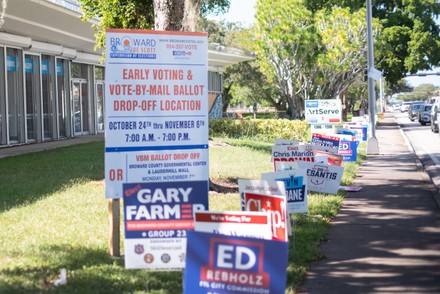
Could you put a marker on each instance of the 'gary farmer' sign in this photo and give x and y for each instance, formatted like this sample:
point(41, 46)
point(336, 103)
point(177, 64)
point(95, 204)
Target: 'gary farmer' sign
point(323, 111)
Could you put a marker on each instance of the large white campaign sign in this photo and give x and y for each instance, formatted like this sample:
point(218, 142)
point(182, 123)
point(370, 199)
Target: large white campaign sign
point(156, 127)
point(156, 139)
point(323, 111)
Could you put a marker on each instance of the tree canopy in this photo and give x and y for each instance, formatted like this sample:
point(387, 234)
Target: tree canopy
point(410, 33)
point(173, 15)
point(309, 55)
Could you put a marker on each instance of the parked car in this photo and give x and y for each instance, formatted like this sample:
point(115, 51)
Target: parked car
point(404, 106)
point(396, 107)
point(434, 115)
point(424, 114)
point(413, 110)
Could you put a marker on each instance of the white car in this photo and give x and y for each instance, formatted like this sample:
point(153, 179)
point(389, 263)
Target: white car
point(405, 106)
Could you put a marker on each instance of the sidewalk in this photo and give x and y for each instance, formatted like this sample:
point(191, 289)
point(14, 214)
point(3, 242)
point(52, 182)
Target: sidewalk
point(37, 147)
point(386, 238)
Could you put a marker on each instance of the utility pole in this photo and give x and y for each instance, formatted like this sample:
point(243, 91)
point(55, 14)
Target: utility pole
point(372, 144)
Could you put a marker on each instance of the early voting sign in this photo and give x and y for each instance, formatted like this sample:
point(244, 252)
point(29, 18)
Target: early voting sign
point(156, 127)
point(323, 111)
point(226, 264)
point(156, 139)
point(157, 217)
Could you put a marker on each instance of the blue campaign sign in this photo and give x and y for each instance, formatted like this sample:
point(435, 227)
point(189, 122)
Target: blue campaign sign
point(348, 149)
point(225, 264)
point(295, 182)
point(325, 140)
point(363, 129)
point(344, 131)
point(164, 209)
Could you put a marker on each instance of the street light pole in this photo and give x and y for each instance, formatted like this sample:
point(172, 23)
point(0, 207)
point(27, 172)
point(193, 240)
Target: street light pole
point(372, 144)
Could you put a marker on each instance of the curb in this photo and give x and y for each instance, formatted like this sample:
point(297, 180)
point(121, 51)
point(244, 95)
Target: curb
point(435, 191)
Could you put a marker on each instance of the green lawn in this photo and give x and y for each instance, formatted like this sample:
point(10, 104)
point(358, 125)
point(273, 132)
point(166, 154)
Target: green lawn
point(54, 215)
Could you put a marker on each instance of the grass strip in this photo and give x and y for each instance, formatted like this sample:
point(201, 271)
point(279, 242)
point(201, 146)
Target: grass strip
point(53, 215)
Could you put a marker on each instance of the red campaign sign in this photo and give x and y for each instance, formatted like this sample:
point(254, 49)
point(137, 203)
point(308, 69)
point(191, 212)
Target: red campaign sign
point(275, 205)
point(208, 216)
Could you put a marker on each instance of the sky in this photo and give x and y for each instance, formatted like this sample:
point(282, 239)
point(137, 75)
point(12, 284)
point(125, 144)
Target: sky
point(243, 11)
point(240, 11)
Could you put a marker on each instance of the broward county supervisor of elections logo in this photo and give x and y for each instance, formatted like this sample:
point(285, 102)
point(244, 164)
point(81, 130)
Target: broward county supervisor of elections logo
point(121, 45)
point(132, 47)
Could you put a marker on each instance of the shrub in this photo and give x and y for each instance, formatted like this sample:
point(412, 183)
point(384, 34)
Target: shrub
point(262, 129)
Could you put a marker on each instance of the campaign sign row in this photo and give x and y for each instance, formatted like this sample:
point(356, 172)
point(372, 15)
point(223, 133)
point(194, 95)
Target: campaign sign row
point(232, 252)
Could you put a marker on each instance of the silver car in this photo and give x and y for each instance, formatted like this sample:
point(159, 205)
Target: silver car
point(413, 110)
point(424, 114)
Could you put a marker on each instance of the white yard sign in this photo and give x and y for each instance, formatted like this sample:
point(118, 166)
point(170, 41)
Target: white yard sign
point(323, 111)
point(156, 139)
point(156, 107)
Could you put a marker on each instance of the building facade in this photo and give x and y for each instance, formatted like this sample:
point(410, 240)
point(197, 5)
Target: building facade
point(52, 79)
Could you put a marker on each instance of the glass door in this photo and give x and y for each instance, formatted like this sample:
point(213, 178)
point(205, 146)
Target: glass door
point(15, 95)
point(48, 98)
point(32, 80)
point(62, 96)
point(100, 105)
point(80, 107)
point(3, 132)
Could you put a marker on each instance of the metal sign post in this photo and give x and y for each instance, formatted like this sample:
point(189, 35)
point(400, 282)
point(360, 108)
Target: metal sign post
point(372, 144)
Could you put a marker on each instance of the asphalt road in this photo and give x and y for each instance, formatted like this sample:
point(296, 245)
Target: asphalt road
point(424, 143)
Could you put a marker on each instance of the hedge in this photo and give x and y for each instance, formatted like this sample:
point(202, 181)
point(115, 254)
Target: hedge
point(263, 129)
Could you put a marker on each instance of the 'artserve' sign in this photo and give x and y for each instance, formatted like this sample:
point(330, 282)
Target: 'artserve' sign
point(323, 111)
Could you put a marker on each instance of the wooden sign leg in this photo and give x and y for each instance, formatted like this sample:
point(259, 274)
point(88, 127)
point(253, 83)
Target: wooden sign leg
point(114, 240)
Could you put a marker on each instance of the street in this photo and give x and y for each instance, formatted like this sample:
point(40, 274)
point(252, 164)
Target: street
point(424, 142)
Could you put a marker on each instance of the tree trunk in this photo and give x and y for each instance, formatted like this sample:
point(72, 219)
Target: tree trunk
point(344, 103)
point(176, 15)
point(3, 11)
point(226, 98)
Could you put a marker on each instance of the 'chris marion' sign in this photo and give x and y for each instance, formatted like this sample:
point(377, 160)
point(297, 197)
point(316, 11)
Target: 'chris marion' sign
point(323, 111)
